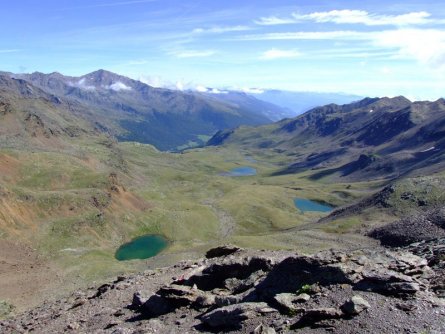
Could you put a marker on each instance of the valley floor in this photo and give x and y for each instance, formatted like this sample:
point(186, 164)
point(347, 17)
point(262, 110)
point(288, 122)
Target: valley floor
point(64, 213)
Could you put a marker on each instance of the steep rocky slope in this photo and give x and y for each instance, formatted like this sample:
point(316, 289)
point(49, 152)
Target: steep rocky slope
point(30, 117)
point(235, 290)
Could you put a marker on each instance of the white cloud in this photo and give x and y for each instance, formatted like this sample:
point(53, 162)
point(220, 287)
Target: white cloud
point(220, 30)
point(252, 90)
point(193, 53)
point(309, 35)
point(273, 20)
point(425, 45)
point(217, 91)
point(118, 86)
point(160, 82)
point(279, 54)
point(201, 89)
point(82, 84)
point(183, 85)
point(179, 86)
point(348, 16)
point(155, 81)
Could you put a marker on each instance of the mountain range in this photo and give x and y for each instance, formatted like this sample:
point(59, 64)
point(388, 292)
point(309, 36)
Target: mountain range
point(133, 111)
point(168, 119)
point(368, 139)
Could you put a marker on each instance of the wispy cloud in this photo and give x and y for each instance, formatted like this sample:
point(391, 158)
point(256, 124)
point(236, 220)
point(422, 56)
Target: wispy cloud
point(309, 35)
point(155, 81)
point(273, 20)
point(193, 53)
point(279, 54)
point(82, 84)
point(9, 50)
point(348, 16)
point(220, 30)
point(118, 86)
point(426, 46)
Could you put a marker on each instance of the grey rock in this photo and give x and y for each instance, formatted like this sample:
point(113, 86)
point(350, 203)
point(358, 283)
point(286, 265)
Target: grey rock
point(236, 285)
point(79, 302)
point(263, 329)
point(156, 305)
point(301, 298)
point(355, 305)
point(403, 287)
point(221, 251)
point(139, 299)
point(181, 295)
point(205, 300)
point(285, 301)
point(227, 300)
point(233, 315)
point(245, 297)
point(73, 326)
point(323, 313)
point(412, 260)
point(121, 330)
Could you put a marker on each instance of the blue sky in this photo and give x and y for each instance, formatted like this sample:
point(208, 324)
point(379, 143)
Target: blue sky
point(372, 48)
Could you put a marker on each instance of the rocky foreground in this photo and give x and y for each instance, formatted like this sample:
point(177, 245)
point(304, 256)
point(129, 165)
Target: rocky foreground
point(364, 291)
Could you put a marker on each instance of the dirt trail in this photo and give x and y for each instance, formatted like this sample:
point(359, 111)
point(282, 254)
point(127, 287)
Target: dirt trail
point(226, 222)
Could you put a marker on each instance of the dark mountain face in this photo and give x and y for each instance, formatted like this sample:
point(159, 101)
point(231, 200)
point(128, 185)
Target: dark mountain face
point(134, 111)
point(371, 138)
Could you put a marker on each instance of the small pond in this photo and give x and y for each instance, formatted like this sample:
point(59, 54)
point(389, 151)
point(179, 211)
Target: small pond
point(307, 205)
point(241, 171)
point(142, 247)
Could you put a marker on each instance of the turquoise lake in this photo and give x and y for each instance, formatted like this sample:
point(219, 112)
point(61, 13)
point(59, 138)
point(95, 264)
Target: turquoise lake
point(307, 205)
point(142, 247)
point(241, 171)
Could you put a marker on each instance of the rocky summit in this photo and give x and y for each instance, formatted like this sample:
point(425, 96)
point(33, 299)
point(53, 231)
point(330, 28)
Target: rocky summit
point(380, 290)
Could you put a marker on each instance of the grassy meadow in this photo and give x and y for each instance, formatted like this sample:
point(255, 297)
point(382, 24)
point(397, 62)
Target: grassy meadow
point(77, 207)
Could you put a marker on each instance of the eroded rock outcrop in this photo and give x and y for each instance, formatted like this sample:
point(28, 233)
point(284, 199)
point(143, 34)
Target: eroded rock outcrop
point(262, 292)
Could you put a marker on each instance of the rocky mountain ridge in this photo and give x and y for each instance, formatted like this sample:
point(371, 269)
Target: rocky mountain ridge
point(369, 139)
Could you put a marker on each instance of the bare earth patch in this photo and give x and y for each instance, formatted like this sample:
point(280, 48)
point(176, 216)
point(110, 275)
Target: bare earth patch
point(25, 278)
